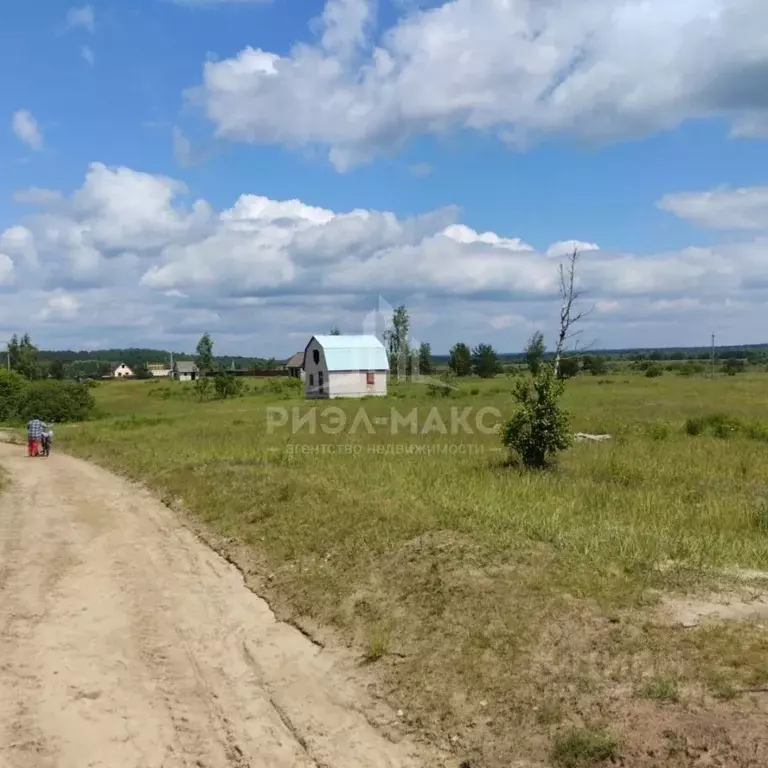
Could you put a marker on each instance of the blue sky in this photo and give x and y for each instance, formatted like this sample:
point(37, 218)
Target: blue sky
point(175, 167)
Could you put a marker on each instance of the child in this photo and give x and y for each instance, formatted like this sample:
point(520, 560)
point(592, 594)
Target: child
point(47, 438)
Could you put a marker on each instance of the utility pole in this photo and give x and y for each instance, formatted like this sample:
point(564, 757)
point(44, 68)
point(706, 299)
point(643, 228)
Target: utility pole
point(713, 355)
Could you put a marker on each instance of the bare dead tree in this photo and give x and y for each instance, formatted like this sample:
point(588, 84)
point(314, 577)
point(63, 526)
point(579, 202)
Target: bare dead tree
point(569, 295)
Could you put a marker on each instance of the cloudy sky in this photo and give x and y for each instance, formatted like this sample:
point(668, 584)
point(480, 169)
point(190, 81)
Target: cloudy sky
point(264, 170)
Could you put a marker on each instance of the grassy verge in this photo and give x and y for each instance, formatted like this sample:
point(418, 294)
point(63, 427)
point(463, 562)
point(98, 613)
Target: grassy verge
point(508, 615)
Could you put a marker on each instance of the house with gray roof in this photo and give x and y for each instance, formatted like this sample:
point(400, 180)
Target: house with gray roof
point(345, 366)
point(185, 370)
point(294, 364)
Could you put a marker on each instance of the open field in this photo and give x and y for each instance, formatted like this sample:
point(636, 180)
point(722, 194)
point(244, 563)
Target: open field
point(510, 616)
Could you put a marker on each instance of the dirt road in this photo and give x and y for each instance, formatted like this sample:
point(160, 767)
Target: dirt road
point(124, 641)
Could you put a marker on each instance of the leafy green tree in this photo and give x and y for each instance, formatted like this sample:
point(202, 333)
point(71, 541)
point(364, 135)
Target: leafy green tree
point(485, 361)
point(534, 353)
point(56, 370)
point(425, 359)
point(204, 357)
point(397, 342)
point(142, 372)
point(204, 362)
point(23, 355)
point(460, 361)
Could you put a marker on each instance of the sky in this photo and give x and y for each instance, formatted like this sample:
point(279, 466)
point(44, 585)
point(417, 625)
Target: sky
point(264, 171)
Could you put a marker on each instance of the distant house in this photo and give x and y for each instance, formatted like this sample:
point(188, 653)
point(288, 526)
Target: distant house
point(345, 366)
point(294, 364)
point(121, 371)
point(159, 369)
point(185, 371)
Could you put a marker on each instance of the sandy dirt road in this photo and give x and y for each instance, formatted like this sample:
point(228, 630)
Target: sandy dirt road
point(126, 642)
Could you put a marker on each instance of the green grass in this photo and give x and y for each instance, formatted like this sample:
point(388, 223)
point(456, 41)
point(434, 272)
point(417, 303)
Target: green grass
point(583, 747)
point(461, 580)
point(660, 690)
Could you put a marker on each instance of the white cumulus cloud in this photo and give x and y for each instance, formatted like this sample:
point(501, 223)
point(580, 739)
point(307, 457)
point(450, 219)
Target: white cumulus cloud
point(132, 254)
point(722, 208)
point(595, 69)
point(6, 269)
point(26, 129)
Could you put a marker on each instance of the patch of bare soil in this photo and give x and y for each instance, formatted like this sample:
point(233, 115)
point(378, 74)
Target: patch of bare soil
point(690, 612)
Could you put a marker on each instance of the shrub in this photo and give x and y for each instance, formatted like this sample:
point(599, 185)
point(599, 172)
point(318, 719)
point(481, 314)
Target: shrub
point(226, 385)
point(723, 426)
point(12, 387)
point(283, 386)
point(690, 368)
point(57, 401)
point(594, 364)
point(435, 389)
point(694, 427)
point(654, 370)
point(733, 366)
point(540, 428)
point(569, 367)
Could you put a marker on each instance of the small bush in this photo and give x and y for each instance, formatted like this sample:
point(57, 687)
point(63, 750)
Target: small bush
point(690, 368)
point(733, 366)
point(12, 387)
point(57, 401)
point(581, 747)
point(721, 425)
point(284, 387)
point(226, 385)
point(694, 427)
point(435, 389)
point(654, 370)
point(540, 429)
point(474, 391)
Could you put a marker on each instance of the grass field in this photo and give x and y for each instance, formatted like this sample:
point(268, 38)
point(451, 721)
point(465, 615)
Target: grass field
point(511, 616)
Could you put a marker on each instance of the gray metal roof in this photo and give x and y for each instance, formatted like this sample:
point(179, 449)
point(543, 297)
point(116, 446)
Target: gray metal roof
point(186, 366)
point(295, 361)
point(353, 353)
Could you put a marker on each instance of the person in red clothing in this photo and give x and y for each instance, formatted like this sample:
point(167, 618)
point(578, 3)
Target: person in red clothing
point(35, 429)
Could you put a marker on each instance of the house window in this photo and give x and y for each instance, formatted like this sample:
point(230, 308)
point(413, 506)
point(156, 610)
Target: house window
point(370, 378)
point(311, 379)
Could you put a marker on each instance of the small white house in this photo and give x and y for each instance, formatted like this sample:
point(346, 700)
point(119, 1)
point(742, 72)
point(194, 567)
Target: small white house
point(121, 371)
point(345, 366)
point(159, 370)
point(185, 370)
